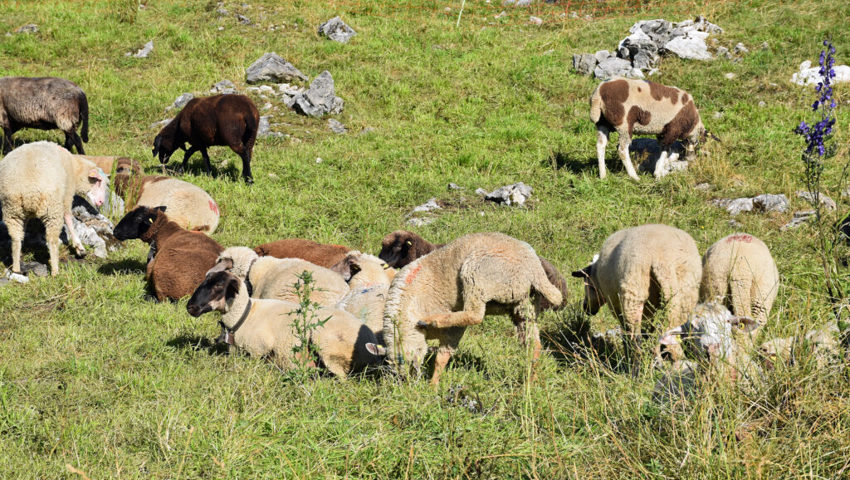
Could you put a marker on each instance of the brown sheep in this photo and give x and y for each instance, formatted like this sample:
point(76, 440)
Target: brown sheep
point(630, 106)
point(322, 254)
point(402, 247)
point(230, 120)
point(44, 103)
point(181, 258)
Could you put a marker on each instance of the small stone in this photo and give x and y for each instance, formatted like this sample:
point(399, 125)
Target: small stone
point(336, 126)
point(272, 175)
point(767, 203)
point(481, 191)
point(180, 101)
point(318, 159)
point(703, 187)
point(336, 30)
point(366, 131)
point(738, 205)
point(223, 12)
point(765, 46)
point(723, 52)
point(718, 115)
point(421, 221)
point(584, 63)
point(799, 218)
point(144, 51)
point(741, 49)
point(34, 268)
point(515, 194)
point(243, 19)
point(27, 29)
point(272, 68)
point(762, 104)
point(454, 186)
point(224, 86)
point(729, 76)
point(827, 202)
point(320, 99)
point(535, 20)
point(161, 123)
point(428, 206)
point(16, 277)
point(734, 223)
point(264, 128)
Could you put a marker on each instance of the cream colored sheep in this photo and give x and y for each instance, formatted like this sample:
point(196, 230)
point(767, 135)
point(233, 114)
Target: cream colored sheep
point(275, 278)
point(638, 271)
point(823, 343)
point(437, 296)
point(739, 272)
point(264, 327)
point(369, 279)
point(39, 180)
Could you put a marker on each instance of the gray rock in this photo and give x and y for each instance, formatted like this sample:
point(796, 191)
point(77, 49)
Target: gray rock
point(35, 268)
point(320, 99)
point(143, 52)
point(535, 20)
point(729, 76)
point(454, 186)
point(421, 221)
point(481, 192)
point(740, 49)
point(762, 103)
point(272, 68)
point(647, 151)
point(15, 277)
point(765, 46)
point(798, 219)
point(827, 202)
point(584, 63)
point(768, 202)
point(243, 19)
point(515, 194)
point(613, 67)
point(336, 30)
point(738, 205)
point(723, 52)
point(691, 45)
point(180, 101)
point(161, 123)
point(717, 115)
point(602, 55)
point(264, 128)
point(336, 126)
point(703, 187)
point(808, 75)
point(91, 228)
point(428, 206)
point(223, 12)
point(224, 86)
point(27, 29)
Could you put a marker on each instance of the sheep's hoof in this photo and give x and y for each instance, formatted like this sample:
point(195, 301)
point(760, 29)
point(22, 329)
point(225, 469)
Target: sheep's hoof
point(249, 180)
point(80, 251)
point(422, 325)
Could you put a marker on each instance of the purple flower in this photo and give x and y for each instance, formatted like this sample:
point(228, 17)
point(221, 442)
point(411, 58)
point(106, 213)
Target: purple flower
point(819, 134)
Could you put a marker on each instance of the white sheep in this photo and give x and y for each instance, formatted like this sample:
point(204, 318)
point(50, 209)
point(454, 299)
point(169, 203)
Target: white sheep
point(437, 296)
point(630, 106)
point(369, 279)
point(271, 277)
point(823, 344)
point(638, 271)
point(39, 180)
point(739, 272)
point(265, 327)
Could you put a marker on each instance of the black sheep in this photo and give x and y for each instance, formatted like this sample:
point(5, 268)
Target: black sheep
point(230, 120)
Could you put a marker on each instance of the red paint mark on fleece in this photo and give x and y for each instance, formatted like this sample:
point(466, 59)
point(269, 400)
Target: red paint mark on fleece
point(741, 237)
point(214, 207)
point(412, 274)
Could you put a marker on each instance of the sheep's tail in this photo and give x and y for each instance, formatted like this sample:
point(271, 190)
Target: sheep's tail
point(84, 113)
point(595, 106)
point(541, 284)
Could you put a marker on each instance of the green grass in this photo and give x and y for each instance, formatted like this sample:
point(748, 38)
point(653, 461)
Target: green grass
point(95, 377)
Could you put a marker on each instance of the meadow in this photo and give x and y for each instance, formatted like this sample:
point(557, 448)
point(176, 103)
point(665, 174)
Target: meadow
point(98, 382)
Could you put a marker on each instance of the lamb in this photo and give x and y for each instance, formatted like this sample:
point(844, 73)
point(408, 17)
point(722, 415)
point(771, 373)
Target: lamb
point(188, 205)
point(39, 180)
point(708, 335)
point(179, 259)
point(402, 247)
point(231, 120)
point(437, 296)
point(275, 278)
point(264, 327)
point(739, 272)
point(630, 106)
point(44, 103)
point(369, 279)
point(638, 271)
point(322, 254)
point(823, 343)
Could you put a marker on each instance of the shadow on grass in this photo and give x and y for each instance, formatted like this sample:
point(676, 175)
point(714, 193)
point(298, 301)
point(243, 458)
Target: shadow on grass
point(571, 342)
point(122, 267)
point(197, 343)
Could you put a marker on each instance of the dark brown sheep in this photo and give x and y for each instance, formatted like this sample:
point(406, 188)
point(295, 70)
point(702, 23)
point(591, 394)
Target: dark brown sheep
point(44, 103)
point(180, 258)
point(402, 247)
point(322, 254)
point(230, 120)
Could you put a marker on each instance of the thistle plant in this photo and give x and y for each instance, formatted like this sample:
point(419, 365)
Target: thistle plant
point(306, 322)
point(818, 149)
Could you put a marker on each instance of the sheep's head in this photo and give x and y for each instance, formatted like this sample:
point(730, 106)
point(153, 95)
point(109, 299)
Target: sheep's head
point(777, 350)
point(235, 260)
point(707, 334)
point(593, 299)
point(164, 145)
point(215, 293)
point(95, 186)
point(402, 247)
point(128, 166)
point(137, 222)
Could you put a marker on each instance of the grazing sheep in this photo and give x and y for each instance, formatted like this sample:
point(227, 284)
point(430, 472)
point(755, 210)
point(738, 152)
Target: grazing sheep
point(322, 254)
point(264, 327)
point(230, 120)
point(44, 103)
point(638, 271)
point(708, 335)
point(188, 205)
point(402, 247)
point(39, 180)
point(439, 295)
point(369, 279)
point(640, 107)
point(823, 343)
point(739, 272)
point(275, 278)
point(179, 258)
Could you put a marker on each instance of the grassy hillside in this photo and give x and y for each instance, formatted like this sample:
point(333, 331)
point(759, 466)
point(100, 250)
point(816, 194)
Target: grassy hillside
point(95, 377)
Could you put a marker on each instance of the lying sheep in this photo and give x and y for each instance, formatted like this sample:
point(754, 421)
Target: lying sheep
point(39, 180)
point(44, 103)
point(823, 343)
point(707, 335)
point(439, 295)
point(231, 120)
point(322, 254)
point(630, 106)
point(179, 259)
point(402, 247)
point(275, 278)
point(638, 271)
point(369, 279)
point(264, 327)
point(739, 272)
point(188, 205)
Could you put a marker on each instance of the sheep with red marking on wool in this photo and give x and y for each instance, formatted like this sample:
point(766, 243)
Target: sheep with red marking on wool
point(322, 254)
point(630, 106)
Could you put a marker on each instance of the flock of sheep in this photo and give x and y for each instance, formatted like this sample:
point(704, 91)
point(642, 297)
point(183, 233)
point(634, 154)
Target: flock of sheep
point(385, 309)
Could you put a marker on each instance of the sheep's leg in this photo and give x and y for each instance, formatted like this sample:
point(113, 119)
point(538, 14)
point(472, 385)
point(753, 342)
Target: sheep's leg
point(16, 233)
point(524, 316)
point(472, 314)
point(623, 150)
point(78, 142)
point(602, 134)
point(246, 167)
point(185, 166)
point(52, 229)
point(69, 142)
point(444, 353)
point(206, 161)
point(7, 140)
point(72, 235)
point(632, 316)
point(661, 164)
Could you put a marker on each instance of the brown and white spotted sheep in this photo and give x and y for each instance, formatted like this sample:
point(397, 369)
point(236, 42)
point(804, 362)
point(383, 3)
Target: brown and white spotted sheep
point(645, 108)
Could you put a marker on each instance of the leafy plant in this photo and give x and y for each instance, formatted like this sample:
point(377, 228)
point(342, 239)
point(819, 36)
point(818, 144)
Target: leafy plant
point(306, 322)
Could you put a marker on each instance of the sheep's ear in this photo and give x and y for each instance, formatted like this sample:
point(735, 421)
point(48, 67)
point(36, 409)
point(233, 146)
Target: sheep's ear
point(669, 337)
point(95, 175)
point(222, 265)
point(232, 289)
point(745, 323)
point(160, 208)
point(376, 350)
